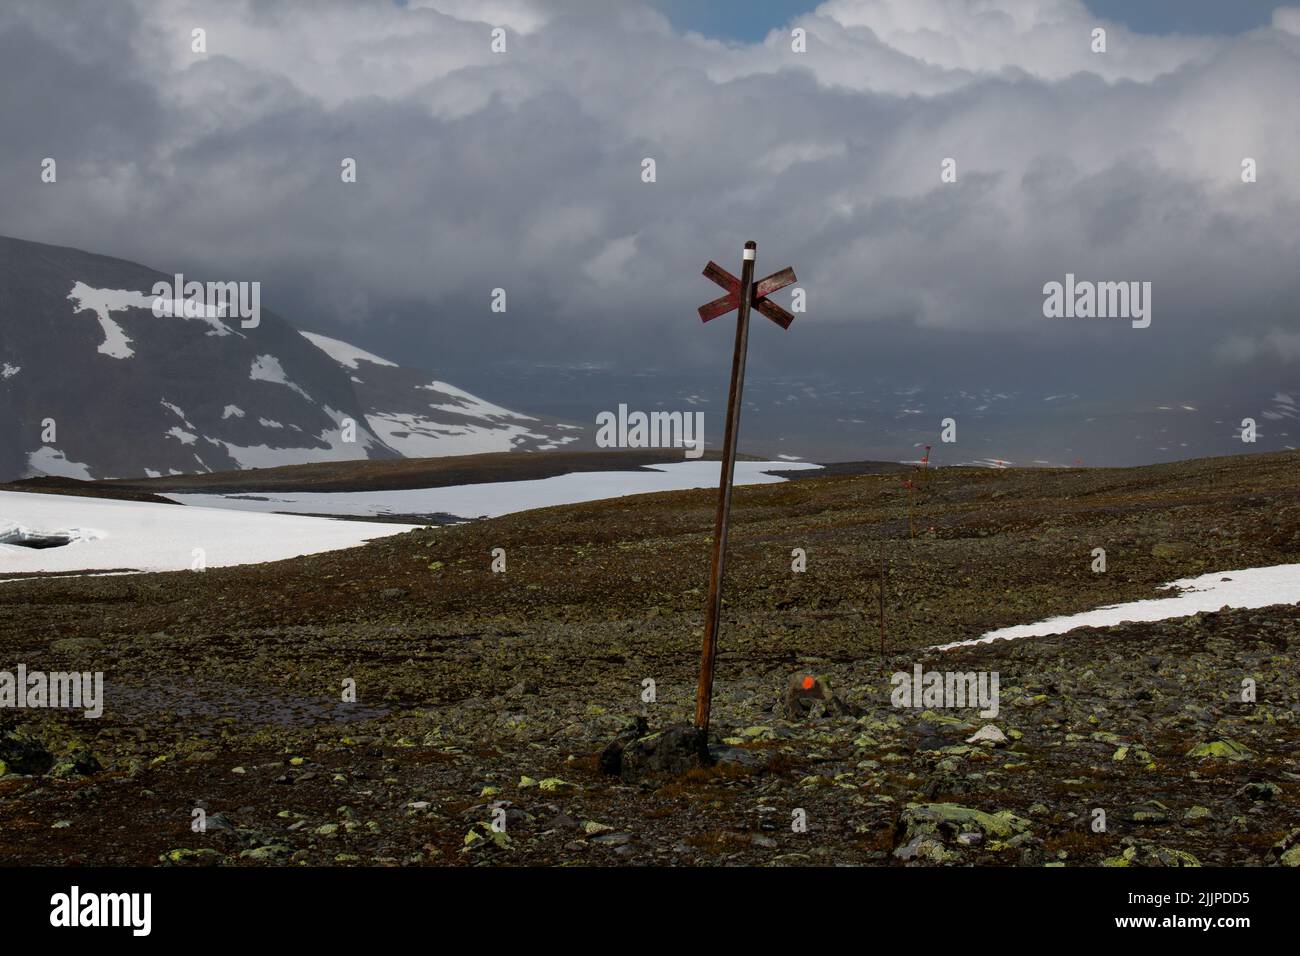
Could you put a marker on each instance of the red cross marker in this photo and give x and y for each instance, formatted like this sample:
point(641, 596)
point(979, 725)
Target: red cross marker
point(741, 294)
point(758, 297)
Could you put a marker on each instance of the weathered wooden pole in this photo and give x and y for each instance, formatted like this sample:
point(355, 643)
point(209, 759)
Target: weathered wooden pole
point(713, 610)
point(741, 294)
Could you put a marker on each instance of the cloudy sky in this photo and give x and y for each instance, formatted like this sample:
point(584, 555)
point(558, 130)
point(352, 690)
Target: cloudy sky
point(523, 170)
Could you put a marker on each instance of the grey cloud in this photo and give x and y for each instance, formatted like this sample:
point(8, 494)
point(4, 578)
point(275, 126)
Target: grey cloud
point(523, 170)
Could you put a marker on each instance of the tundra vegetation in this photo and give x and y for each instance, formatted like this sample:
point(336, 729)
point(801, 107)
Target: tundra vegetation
point(401, 704)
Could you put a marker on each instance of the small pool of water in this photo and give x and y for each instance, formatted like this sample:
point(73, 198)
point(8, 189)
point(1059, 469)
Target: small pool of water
point(23, 538)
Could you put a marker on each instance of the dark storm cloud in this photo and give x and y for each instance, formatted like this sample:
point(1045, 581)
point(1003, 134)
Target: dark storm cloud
point(522, 170)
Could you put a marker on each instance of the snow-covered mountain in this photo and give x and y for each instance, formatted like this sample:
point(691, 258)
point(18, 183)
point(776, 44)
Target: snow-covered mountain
point(94, 384)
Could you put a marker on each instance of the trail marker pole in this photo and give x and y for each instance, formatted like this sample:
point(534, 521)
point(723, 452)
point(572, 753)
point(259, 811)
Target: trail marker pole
point(741, 294)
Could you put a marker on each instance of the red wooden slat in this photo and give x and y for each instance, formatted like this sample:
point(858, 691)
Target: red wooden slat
point(719, 307)
point(774, 312)
point(721, 276)
point(777, 280)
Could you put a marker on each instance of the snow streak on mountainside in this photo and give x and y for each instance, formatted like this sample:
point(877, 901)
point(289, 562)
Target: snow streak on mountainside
point(94, 384)
point(423, 419)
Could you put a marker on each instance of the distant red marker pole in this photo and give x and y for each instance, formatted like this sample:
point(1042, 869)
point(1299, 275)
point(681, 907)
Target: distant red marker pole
point(741, 294)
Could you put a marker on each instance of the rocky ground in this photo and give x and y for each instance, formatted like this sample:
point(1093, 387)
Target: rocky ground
point(489, 698)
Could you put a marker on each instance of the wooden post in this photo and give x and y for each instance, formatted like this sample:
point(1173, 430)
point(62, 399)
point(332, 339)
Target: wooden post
point(741, 294)
point(713, 611)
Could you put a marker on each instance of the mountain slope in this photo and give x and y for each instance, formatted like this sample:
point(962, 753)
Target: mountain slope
point(94, 384)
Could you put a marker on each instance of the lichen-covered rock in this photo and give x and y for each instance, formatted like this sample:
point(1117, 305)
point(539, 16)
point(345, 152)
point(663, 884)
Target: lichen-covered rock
point(184, 856)
point(1287, 850)
point(484, 835)
point(270, 853)
point(77, 763)
point(1148, 854)
point(948, 823)
point(926, 848)
point(1224, 749)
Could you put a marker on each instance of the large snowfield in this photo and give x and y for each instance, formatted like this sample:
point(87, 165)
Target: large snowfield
point(145, 536)
point(239, 529)
point(495, 498)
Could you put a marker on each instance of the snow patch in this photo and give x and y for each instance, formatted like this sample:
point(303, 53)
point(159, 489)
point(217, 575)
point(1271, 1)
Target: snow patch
point(1248, 588)
point(471, 404)
point(264, 456)
point(104, 302)
point(413, 436)
point(147, 536)
point(346, 355)
point(267, 368)
point(51, 461)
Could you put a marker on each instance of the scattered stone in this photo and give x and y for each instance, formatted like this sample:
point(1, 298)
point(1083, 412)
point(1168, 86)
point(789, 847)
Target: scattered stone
point(77, 763)
point(24, 755)
point(669, 752)
point(1153, 811)
point(1260, 792)
point(203, 856)
point(989, 736)
point(266, 854)
point(611, 758)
